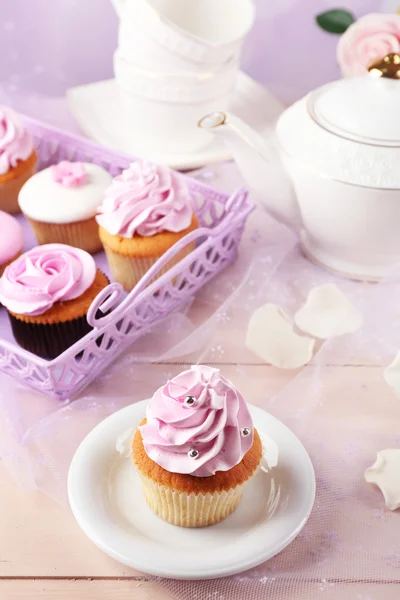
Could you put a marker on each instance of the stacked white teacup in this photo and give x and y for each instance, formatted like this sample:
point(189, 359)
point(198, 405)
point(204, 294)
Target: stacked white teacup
point(176, 61)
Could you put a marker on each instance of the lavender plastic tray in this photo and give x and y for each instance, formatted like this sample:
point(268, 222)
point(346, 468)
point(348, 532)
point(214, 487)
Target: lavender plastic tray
point(129, 316)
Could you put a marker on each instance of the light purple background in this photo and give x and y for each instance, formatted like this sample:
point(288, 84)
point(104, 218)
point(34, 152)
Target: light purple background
point(49, 45)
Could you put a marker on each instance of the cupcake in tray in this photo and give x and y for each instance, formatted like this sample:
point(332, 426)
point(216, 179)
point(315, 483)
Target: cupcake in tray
point(11, 240)
point(146, 210)
point(47, 293)
point(197, 449)
point(18, 158)
point(61, 204)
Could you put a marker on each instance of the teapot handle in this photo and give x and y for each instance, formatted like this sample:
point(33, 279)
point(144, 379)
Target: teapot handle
point(119, 6)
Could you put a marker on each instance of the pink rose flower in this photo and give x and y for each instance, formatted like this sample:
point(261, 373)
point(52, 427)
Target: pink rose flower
point(69, 174)
point(369, 39)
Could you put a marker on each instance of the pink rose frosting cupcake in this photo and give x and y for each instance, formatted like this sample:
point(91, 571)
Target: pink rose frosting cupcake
point(18, 159)
point(196, 449)
point(47, 292)
point(145, 211)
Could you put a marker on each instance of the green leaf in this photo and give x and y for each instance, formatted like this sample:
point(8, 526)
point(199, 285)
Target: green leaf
point(335, 20)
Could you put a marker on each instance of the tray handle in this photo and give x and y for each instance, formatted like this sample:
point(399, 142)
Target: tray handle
point(237, 206)
point(104, 302)
point(108, 299)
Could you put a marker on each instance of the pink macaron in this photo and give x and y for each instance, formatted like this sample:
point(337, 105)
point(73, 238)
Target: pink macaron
point(11, 240)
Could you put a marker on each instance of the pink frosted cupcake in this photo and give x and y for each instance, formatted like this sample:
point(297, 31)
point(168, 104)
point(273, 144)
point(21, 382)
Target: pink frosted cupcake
point(18, 159)
point(146, 210)
point(47, 293)
point(197, 448)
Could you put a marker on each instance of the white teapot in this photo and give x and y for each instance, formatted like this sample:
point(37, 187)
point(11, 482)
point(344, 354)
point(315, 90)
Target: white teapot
point(333, 173)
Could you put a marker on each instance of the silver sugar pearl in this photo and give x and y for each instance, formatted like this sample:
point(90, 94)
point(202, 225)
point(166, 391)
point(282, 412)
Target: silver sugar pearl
point(245, 431)
point(193, 453)
point(190, 400)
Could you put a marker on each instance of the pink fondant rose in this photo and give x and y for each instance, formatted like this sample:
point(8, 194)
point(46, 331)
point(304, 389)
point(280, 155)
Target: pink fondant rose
point(69, 174)
point(369, 39)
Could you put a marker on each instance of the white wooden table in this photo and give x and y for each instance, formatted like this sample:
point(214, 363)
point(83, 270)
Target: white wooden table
point(43, 553)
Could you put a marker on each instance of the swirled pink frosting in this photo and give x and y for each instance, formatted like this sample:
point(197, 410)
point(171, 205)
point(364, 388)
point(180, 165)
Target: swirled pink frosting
point(145, 200)
point(45, 275)
point(217, 425)
point(16, 143)
point(69, 174)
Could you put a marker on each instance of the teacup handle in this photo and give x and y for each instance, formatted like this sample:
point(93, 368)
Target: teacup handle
point(119, 6)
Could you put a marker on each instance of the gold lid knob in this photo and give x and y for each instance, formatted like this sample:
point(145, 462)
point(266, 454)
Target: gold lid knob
point(388, 67)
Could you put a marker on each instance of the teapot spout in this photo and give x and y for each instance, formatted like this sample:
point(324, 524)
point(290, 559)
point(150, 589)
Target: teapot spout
point(260, 165)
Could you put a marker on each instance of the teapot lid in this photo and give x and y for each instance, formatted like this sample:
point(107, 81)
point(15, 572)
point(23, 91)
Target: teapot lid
point(364, 109)
point(349, 131)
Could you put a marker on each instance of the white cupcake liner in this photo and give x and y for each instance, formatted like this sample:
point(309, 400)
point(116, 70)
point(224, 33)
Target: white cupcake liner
point(128, 271)
point(190, 510)
point(80, 234)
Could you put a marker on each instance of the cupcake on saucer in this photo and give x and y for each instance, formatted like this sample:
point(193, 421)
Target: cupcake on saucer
point(18, 158)
point(146, 210)
point(197, 448)
point(11, 240)
point(61, 203)
point(47, 293)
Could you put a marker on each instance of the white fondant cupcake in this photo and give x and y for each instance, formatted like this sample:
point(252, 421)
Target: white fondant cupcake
point(61, 203)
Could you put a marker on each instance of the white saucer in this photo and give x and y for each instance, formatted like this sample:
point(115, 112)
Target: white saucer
point(107, 501)
point(94, 106)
